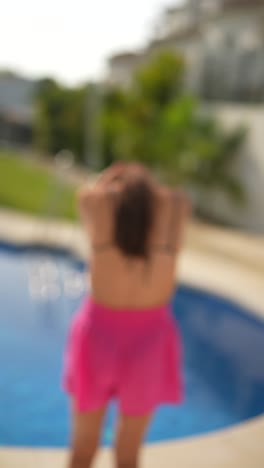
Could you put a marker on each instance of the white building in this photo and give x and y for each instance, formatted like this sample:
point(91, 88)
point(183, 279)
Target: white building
point(222, 42)
point(232, 63)
point(122, 66)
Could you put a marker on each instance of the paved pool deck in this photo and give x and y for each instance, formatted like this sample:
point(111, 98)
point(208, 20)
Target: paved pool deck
point(222, 261)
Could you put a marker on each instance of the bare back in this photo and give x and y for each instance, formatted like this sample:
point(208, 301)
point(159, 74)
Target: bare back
point(119, 281)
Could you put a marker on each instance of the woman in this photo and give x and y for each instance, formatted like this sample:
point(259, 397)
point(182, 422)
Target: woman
point(124, 343)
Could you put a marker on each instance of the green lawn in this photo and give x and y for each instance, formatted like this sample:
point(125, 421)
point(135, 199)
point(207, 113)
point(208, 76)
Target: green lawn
point(26, 187)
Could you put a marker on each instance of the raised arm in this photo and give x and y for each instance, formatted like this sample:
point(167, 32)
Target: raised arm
point(182, 212)
point(183, 202)
point(88, 195)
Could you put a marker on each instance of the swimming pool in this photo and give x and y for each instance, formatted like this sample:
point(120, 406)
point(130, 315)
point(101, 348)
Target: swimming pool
point(39, 291)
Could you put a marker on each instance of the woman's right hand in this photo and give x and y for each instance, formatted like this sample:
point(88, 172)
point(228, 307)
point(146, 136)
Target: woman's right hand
point(110, 175)
point(86, 195)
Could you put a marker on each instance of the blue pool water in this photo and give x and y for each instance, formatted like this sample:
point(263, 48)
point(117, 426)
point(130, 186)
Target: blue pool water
point(39, 291)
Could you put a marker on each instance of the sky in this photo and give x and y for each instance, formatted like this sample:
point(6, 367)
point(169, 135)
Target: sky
point(71, 39)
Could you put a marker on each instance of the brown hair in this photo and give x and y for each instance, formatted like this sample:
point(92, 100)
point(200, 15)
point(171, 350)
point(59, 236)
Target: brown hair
point(134, 212)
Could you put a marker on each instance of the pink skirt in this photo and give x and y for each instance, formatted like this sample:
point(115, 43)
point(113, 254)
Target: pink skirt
point(132, 355)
